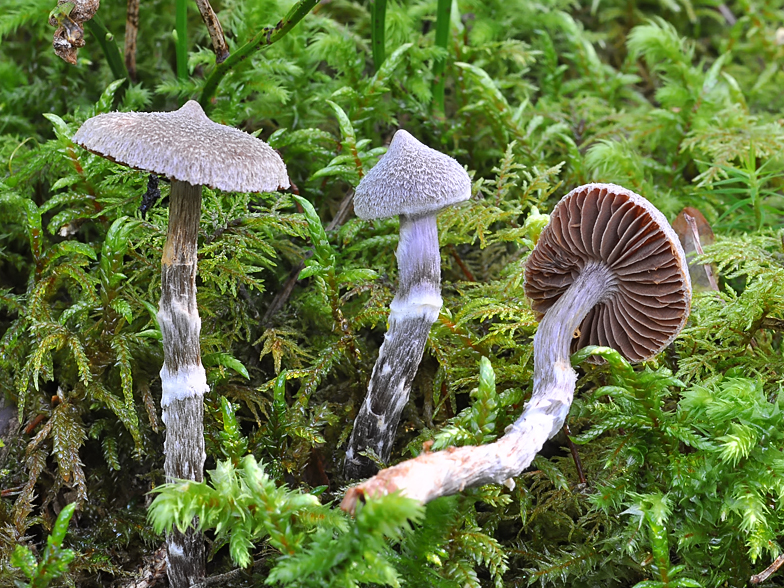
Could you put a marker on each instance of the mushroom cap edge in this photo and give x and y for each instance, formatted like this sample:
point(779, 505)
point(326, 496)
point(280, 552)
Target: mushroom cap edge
point(185, 145)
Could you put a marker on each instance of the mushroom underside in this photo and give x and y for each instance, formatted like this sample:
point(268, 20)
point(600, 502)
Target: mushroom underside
point(606, 224)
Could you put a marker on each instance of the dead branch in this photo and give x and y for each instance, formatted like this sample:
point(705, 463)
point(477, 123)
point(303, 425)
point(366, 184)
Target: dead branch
point(131, 31)
point(214, 29)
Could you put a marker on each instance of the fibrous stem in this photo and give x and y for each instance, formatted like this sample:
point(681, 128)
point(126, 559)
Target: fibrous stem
point(413, 311)
point(183, 379)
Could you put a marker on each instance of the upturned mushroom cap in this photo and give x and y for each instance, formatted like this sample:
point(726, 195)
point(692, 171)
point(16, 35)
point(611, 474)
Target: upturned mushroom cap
point(411, 179)
point(649, 300)
point(185, 145)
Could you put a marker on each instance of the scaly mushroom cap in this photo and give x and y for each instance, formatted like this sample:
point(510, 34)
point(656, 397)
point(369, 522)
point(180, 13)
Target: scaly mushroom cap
point(649, 301)
point(185, 145)
point(411, 179)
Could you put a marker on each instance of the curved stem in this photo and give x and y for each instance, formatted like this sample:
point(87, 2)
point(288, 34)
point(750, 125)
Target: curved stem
point(413, 311)
point(447, 472)
point(183, 378)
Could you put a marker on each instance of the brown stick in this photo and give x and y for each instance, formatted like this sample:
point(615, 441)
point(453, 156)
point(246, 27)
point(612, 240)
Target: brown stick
point(767, 572)
point(575, 454)
point(34, 423)
point(131, 31)
point(344, 210)
point(215, 30)
point(773, 323)
point(461, 264)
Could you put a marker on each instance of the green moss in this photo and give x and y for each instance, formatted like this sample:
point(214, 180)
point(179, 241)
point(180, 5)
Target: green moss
point(682, 455)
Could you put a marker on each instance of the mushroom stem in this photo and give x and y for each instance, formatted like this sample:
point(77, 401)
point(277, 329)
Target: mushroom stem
point(413, 311)
point(447, 472)
point(183, 378)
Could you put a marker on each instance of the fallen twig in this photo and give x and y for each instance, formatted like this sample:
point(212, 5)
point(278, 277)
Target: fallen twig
point(575, 454)
point(131, 31)
point(214, 29)
point(767, 572)
point(461, 264)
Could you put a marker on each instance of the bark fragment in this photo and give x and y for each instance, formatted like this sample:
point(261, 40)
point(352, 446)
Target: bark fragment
point(69, 17)
point(214, 29)
point(131, 31)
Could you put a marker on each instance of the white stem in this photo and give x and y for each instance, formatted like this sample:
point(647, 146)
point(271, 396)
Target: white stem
point(431, 475)
point(413, 311)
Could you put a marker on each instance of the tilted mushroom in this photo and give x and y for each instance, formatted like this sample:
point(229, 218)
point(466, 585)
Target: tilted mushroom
point(192, 151)
point(414, 182)
point(620, 245)
point(607, 270)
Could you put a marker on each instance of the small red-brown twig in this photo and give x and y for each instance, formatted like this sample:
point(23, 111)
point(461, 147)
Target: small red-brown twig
point(767, 572)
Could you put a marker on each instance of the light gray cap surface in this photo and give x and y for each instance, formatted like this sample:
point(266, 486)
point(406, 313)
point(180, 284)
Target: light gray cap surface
point(185, 145)
point(411, 179)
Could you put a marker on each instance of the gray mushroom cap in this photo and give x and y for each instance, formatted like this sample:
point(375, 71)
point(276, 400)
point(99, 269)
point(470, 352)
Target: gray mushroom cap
point(410, 179)
point(185, 145)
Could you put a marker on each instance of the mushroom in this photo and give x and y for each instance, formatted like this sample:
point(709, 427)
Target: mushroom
point(607, 270)
point(610, 259)
point(413, 182)
point(192, 151)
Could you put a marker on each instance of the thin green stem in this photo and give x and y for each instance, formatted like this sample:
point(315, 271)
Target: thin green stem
point(443, 15)
point(106, 40)
point(181, 48)
point(261, 40)
point(378, 15)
